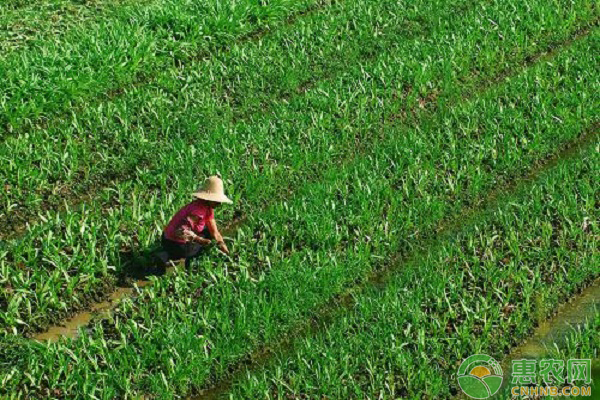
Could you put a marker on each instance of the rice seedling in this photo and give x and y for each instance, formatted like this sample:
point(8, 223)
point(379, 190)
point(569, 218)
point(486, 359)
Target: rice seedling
point(301, 263)
point(120, 136)
point(24, 27)
point(104, 240)
point(571, 333)
point(93, 57)
point(351, 137)
point(472, 294)
point(581, 342)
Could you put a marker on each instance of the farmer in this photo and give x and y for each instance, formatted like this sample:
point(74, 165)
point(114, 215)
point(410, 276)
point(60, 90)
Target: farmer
point(190, 230)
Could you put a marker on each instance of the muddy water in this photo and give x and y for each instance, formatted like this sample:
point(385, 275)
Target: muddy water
point(557, 328)
point(555, 331)
point(70, 328)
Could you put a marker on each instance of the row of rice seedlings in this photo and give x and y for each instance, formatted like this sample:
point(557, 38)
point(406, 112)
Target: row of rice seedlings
point(39, 21)
point(480, 292)
point(153, 114)
point(66, 251)
point(114, 139)
point(301, 252)
point(10, 6)
point(53, 75)
point(106, 235)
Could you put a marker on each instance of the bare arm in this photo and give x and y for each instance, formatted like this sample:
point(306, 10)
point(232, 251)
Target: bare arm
point(214, 232)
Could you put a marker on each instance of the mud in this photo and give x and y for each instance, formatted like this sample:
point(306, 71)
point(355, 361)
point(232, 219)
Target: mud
point(70, 328)
point(557, 328)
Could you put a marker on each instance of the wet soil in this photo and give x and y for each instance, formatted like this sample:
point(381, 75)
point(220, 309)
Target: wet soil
point(557, 328)
point(70, 327)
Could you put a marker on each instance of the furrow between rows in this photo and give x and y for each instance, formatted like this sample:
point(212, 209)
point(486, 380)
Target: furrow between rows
point(387, 201)
point(66, 249)
point(407, 328)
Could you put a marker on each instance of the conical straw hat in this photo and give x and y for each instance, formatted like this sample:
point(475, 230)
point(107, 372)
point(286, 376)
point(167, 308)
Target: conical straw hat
point(212, 191)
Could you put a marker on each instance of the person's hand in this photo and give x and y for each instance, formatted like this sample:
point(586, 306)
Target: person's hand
point(202, 241)
point(223, 247)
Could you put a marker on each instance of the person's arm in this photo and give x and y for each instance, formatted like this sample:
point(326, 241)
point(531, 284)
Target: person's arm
point(187, 234)
point(214, 232)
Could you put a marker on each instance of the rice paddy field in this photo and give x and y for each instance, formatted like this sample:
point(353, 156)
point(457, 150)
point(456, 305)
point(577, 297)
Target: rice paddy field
point(414, 182)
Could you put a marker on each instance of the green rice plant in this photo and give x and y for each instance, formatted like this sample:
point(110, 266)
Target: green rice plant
point(105, 242)
point(120, 136)
point(302, 251)
point(110, 137)
point(132, 44)
point(114, 240)
point(24, 27)
point(465, 296)
point(582, 342)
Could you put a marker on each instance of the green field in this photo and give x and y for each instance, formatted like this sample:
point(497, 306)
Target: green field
point(414, 181)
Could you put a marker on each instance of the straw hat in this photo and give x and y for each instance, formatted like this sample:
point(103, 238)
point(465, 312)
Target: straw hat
point(212, 191)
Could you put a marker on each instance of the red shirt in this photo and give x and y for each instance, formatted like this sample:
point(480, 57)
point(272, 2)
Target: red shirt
point(192, 217)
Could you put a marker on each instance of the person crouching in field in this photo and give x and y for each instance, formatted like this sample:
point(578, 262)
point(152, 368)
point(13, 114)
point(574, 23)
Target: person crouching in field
point(192, 227)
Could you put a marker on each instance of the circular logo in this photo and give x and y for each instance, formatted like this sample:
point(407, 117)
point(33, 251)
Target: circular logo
point(480, 376)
